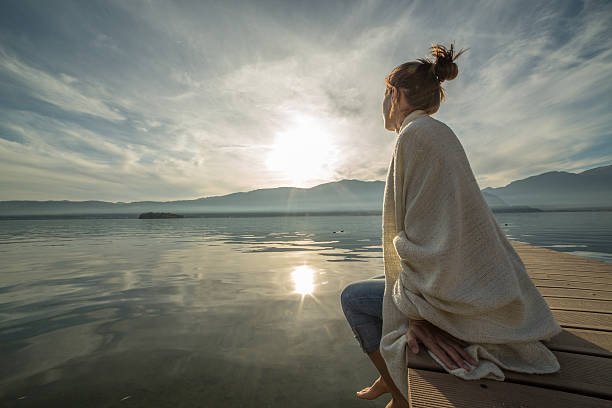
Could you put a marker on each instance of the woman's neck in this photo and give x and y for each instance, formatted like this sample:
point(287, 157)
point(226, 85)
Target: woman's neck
point(409, 118)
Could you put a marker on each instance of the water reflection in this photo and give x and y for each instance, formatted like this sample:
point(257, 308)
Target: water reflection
point(192, 302)
point(302, 278)
point(205, 304)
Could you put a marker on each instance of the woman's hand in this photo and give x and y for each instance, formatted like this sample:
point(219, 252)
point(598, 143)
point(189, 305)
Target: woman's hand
point(445, 346)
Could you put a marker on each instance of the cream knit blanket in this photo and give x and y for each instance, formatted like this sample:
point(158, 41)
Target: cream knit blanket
point(447, 261)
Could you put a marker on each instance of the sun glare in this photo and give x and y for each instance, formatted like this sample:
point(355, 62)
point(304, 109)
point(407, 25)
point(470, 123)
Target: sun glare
point(302, 278)
point(304, 152)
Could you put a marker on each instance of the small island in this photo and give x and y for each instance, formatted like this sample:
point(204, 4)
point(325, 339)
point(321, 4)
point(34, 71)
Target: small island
point(159, 215)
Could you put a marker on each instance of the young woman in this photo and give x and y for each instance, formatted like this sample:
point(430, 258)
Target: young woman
point(452, 279)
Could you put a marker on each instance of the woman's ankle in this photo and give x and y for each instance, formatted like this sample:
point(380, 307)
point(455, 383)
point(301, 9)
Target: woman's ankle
point(396, 393)
point(398, 396)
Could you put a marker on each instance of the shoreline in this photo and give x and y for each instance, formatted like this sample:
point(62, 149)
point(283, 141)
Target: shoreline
point(243, 214)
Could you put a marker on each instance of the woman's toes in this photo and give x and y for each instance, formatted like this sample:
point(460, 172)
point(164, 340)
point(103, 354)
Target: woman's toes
point(373, 391)
point(366, 393)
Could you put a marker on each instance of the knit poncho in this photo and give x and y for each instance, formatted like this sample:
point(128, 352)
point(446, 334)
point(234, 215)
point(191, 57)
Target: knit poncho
point(448, 262)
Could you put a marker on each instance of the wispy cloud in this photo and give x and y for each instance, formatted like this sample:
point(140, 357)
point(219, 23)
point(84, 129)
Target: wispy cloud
point(537, 102)
point(60, 90)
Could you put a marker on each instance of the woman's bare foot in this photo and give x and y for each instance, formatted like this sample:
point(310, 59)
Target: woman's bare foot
point(374, 391)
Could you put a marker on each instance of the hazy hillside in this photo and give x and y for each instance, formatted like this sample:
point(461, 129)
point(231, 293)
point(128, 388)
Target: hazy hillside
point(344, 195)
point(493, 200)
point(591, 188)
point(560, 189)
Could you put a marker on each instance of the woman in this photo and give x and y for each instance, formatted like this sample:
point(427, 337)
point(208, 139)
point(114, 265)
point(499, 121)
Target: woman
point(452, 279)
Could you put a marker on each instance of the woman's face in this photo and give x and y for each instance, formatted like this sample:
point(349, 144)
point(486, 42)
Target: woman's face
point(386, 108)
point(402, 107)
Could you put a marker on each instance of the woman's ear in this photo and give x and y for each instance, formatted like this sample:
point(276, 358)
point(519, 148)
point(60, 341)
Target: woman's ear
point(403, 99)
point(399, 97)
point(394, 94)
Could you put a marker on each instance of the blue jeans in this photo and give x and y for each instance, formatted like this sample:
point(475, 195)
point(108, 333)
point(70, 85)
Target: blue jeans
point(362, 306)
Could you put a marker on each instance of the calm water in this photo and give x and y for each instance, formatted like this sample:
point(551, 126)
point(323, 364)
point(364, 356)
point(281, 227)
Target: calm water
point(204, 311)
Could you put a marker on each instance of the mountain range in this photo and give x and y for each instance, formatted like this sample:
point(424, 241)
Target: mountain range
point(554, 190)
point(559, 189)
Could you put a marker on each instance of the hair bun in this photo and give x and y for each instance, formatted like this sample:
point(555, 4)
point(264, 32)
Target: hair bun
point(445, 71)
point(445, 68)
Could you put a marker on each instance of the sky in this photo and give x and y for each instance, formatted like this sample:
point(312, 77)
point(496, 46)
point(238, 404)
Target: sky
point(160, 100)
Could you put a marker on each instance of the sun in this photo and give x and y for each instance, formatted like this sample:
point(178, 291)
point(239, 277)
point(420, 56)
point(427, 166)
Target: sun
point(302, 277)
point(304, 152)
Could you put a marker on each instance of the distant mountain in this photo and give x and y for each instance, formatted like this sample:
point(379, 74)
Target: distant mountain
point(493, 200)
point(552, 190)
point(344, 195)
point(560, 190)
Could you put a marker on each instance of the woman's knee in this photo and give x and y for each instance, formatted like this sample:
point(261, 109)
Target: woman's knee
point(362, 297)
point(347, 293)
point(366, 288)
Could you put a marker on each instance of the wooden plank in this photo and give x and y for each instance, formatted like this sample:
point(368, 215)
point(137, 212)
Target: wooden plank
point(581, 374)
point(544, 263)
point(585, 305)
point(602, 280)
point(572, 272)
point(571, 276)
point(559, 257)
point(538, 249)
point(582, 272)
point(575, 293)
point(584, 320)
point(580, 265)
point(566, 263)
point(584, 267)
point(551, 262)
point(432, 389)
point(590, 342)
point(558, 283)
point(529, 252)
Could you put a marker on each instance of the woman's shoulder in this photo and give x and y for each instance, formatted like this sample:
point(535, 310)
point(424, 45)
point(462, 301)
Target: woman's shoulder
point(434, 131)
point(428, 136)
point(431, 125)
point(424, 127)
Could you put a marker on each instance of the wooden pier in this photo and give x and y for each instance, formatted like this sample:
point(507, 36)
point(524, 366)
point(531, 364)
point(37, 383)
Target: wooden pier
point(579, 293)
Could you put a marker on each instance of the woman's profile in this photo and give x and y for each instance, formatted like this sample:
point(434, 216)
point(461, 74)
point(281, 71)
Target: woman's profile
point(452, 281)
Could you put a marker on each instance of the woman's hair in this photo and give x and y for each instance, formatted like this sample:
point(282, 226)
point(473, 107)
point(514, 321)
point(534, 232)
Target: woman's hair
point(423, 78)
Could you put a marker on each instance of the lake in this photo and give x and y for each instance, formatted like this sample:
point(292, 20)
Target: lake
point(205, 311)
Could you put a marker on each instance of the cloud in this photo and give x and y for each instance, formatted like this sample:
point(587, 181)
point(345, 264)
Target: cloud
point(535, 104)
point(168, 101)
point(59, 91)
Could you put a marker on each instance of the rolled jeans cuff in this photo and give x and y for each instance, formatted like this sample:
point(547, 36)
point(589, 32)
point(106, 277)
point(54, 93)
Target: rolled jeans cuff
point(369, 336)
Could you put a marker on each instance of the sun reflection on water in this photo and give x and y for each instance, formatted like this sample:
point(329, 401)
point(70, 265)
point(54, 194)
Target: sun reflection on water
point(302, 278)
